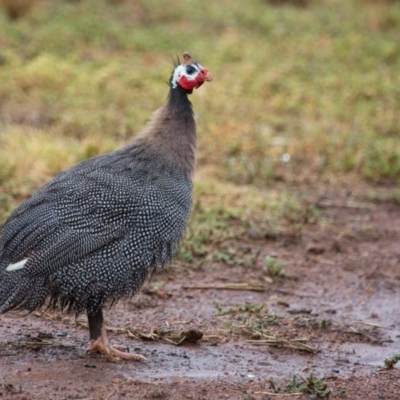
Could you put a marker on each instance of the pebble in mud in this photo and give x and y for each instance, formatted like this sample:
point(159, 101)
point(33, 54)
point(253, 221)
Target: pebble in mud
point(251, 377)
point(45, 335)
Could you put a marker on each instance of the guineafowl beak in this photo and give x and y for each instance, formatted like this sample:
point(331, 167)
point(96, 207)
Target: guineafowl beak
point(203, 76)
point(207, 75)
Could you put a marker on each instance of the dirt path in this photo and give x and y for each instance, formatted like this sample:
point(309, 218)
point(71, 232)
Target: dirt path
point(335, 314)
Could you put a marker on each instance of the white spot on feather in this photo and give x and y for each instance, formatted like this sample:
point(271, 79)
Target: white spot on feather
point(16, 266)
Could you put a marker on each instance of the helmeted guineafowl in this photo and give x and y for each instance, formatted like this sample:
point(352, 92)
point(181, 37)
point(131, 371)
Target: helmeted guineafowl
point(96, 231)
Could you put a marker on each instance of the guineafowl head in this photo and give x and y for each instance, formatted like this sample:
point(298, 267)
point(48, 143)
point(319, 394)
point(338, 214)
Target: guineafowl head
point(189, 75)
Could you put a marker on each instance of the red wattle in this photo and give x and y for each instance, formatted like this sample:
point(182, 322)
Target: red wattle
point(186, 84)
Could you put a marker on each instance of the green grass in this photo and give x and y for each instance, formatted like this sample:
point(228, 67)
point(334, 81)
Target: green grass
point(312, 386)
point(273, 267)
point(224, 212)
point(319, 83)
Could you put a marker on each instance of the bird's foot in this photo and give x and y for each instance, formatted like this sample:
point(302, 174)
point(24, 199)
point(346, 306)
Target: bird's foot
point(113, 353)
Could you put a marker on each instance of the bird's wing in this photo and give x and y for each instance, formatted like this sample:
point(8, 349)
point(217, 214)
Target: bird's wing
point(77, 213)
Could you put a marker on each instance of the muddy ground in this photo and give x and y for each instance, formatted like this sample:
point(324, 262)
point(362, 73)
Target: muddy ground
point(335, 313)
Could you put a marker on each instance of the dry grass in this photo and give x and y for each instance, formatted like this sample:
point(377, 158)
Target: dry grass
point(301, 94)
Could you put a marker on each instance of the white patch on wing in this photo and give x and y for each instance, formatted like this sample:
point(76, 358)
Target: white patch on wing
point(181, 70)
point(16, 266)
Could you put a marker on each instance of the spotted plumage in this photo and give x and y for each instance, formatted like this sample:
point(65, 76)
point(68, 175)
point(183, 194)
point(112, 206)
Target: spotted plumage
point(97, 230)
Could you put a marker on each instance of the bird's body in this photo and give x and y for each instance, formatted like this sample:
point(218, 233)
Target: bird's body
point(97, 230)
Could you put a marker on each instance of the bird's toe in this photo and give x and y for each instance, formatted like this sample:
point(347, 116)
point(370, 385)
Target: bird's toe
point(113, 353)
point(116, 352)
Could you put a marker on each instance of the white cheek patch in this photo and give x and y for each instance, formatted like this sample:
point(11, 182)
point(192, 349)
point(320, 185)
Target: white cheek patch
point(181, 70)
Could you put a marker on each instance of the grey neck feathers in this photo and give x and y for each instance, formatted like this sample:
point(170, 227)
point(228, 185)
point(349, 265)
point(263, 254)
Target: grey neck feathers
point(171, 133)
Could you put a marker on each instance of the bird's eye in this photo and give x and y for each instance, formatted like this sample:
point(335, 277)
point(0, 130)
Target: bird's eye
point(190, 70)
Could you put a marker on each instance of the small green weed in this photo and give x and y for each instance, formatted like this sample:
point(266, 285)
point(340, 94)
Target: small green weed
point(310, 386)
point(153, 287)
point(219, 308)
point(312, 214)
point(392, 361)
point(273, 385)
point(314, 323)
point(261, 325)
point(226, 256)
point(273, 267)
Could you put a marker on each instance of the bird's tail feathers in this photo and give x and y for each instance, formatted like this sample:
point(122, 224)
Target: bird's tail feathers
point(20, 292)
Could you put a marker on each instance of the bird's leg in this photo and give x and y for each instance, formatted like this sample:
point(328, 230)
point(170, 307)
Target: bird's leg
point(100, 344)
